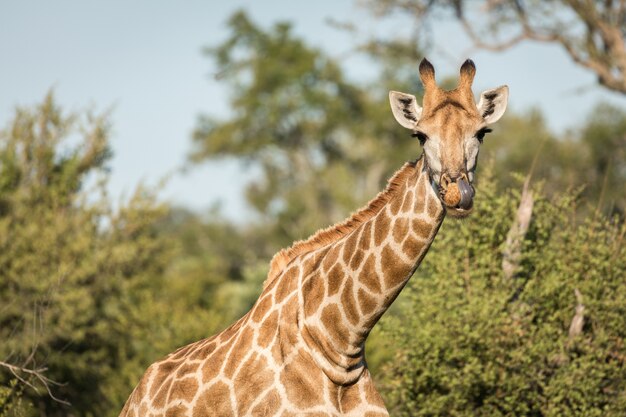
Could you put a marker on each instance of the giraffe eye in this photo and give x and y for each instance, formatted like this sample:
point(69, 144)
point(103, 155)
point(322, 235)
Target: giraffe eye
point(480, 135)
point(421, 137)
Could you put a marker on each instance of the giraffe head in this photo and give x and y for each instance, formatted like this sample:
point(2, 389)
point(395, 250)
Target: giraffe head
point(450, 126)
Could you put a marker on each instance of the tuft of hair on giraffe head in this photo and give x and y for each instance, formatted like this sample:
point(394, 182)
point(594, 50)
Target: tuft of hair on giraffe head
point(450, 127)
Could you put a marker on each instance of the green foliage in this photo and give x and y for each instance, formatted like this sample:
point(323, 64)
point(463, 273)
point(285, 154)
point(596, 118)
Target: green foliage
point(471, 342)
point(604, 137)
point(592, 156)
point(78, 278)
point(11, 400)
point(215, 274)
point(324, 145)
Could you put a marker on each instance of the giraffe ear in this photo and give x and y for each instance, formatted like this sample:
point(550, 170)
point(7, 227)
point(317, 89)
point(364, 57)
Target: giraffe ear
point(405, 109)
point(493, 103)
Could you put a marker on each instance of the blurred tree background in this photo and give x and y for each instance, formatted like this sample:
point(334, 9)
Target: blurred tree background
point(93, 290)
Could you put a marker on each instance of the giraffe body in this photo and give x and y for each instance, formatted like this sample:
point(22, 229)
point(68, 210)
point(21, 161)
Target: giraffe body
point(300, 350)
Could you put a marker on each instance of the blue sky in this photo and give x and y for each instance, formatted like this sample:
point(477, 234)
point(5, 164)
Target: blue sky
point(143, 60)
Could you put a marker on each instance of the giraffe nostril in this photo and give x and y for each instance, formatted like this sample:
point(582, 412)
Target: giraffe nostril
point(445, 181)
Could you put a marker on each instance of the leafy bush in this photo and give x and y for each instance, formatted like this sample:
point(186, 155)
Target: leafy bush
point(471, 341)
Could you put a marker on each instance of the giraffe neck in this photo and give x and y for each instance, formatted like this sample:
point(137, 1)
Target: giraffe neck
point(354, 280)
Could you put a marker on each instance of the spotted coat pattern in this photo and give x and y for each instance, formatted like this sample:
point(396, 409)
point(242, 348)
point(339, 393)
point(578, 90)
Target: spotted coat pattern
point(300, 349)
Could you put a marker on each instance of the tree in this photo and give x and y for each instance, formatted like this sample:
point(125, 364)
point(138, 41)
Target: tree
point(323, 145)
point(591, 32)
point(216, 272)
point(78, 278)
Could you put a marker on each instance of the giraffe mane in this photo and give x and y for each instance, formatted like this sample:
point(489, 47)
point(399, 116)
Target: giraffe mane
point(331, 234)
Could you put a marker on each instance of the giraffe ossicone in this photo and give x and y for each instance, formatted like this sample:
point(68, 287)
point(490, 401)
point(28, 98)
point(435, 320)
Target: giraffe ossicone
point(300, 349)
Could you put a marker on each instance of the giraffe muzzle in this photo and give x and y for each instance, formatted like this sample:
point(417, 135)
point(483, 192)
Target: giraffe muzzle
point(457, 194)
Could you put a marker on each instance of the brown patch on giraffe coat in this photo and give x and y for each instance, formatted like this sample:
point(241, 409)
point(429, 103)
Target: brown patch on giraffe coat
point(368, 275)
point(240, 349)
point(434, 207)
point(288, 325)
point(408, 199)
point(269, 405)
point(314, 290)
point(349, 247)
point(366, 236)
point(367, 303)
point(261, 308)
point(162, 370)
point(400, 229)
point(203, 351)
point(278, 349)
point(183, 389)
point(381, 227)
point(287, 285)
point(331, 258)
point(412, 246)
point(348, 303)
point(335, 279)
point(356, 260)
point(166, 366)
point(419, 204)
point(350, 398)
point(253, 378)
point(267, 332)
point(412, 180)
point(160, 399)
point(334, 324)
point(178, 410)
point(186, 369)
point(215, 399)
point(394, 268)
point(372, 396)
point(314, 260)
point(421, 228)
point(395, 205)
point(302, 380)
point(211, 367)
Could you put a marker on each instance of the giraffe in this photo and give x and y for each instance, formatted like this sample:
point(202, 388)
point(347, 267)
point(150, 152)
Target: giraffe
point(300, 350)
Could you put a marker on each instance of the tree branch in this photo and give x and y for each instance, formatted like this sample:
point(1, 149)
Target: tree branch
point(37, 373)
point(601, 49)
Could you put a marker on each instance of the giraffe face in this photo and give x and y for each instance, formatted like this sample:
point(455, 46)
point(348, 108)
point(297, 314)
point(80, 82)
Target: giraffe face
point(450, 127)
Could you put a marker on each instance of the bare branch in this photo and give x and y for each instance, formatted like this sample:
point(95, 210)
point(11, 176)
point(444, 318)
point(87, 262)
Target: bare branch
point(591, 32)
point(578, 321)
point(512, 251)
point(38, 373)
